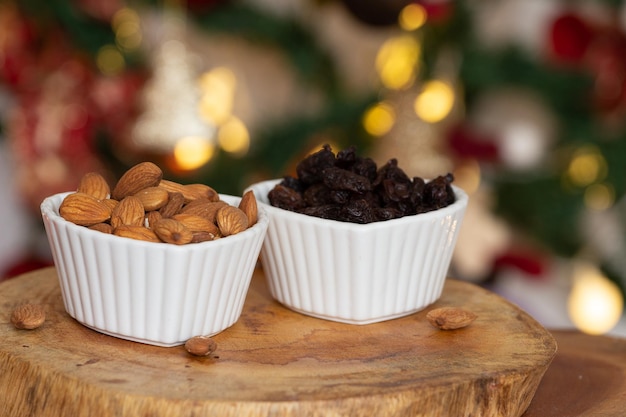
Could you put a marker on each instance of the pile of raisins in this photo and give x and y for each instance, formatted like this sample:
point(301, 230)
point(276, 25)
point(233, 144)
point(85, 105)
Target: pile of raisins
point(350, 188)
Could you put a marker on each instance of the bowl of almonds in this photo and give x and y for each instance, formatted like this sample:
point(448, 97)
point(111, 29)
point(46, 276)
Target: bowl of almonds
point(152, 260)
point(353, 242)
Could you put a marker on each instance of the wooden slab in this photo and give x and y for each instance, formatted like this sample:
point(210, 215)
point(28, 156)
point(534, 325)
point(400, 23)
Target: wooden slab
point(586, 378)
point(276, 362)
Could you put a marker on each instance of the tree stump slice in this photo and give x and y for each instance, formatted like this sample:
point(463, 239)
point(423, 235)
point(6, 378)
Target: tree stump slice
point(586, 378)
point(276, 362)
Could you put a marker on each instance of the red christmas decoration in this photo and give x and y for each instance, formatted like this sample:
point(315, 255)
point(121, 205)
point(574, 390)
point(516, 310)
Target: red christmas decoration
point(465, 142)
point(570, 37)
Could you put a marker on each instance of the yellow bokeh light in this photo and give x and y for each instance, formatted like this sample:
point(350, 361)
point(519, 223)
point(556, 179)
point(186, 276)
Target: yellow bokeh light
point(191, 152)
point(110, 60)
point(595, 303)
point(379, 119)
point(397, 60)
point(218, 93)
point(587, 166)
point(412, 17)
point(599, 196)
point(435, 102)
point(123, 16)
point(128, 35)
point(233, 137)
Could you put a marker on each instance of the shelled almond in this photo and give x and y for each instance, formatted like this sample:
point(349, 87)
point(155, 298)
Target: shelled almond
point(144, 206)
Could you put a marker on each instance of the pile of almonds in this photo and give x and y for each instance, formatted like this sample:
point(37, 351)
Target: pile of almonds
point(144, 206)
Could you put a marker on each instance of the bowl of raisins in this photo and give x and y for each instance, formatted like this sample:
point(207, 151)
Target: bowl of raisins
point(352, 242)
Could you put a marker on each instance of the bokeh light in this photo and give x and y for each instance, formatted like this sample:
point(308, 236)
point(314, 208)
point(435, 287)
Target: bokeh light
point(192, 152)
point(435, 102)
point(396, 62)
point(599, 197)
point(595, 303)
point(110, 60)
point(233, 137)
point(127, 28)
point(586, 166)
point(412, 17)
point(218, 93)
point(379, 119)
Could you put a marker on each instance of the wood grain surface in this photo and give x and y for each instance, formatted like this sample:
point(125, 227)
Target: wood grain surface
point(586, 378)
point(275, 362)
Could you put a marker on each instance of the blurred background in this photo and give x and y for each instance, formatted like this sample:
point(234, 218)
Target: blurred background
point(524, 101)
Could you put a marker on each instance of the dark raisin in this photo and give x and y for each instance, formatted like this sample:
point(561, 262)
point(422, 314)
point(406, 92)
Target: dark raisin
point(358, 211)
point(327, 211)
point(310, 169)
point(285, 198)
point(387, 213)
point(293, 183)
point(317, 195)
point(438, 193)
point(340, 179)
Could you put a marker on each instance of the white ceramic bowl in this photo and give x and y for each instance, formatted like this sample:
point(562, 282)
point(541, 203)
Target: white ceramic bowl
point(155, 293)
point(358, 273)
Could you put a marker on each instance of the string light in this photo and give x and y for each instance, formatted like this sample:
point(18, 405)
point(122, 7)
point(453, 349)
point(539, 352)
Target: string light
point(435, 101)
point(396, 62)
point(595, 303)
point(379, 119)
point(412, 17)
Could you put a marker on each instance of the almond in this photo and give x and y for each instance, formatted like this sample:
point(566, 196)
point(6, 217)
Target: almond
point(203, 236)
point(172, 186)
point(204, 208)
point(94, 184)
point(110, 203)
point(249, 206)
point(172, 231)
point(136, 232)
point(196, 223)
point(140, 176)
point(102, 227)
point(200, 345)
point(153, 198)
point(151, 218)
point(231, 220)
point(129, 211)
point(84, 209)
point(450, 318)
point(28, 316)
point(190, 191)
point(196, 191)
point(174, 204)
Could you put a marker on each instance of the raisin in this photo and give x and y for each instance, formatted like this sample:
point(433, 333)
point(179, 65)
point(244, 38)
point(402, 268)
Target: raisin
point(358, 211)
point(310, 169)
point(340, 179)
point(327, 211)
point(293, 183)
point(317, 195)
point(285, 198)
point(438, 193)
point(351, 188)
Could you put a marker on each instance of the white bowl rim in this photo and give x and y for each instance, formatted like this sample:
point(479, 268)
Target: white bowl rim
point(50, 208)
point(460, 203)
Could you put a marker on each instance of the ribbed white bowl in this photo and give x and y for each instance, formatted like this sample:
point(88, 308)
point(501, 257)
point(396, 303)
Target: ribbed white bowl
point(155, 293)
point(358, 273)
